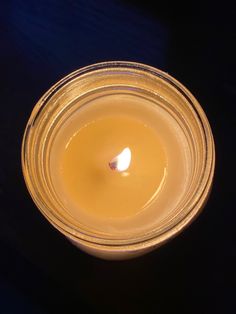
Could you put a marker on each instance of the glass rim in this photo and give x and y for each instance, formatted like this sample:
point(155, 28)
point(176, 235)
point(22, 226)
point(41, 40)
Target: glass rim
point(154, 238)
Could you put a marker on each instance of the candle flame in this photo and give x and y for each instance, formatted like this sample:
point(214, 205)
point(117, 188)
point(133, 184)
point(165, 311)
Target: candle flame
point(122, 161)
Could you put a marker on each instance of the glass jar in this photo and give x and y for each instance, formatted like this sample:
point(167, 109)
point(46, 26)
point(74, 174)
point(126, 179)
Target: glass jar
point(58, 105)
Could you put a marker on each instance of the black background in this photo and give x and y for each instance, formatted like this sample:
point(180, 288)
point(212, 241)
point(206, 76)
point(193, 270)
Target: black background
point(41, 41)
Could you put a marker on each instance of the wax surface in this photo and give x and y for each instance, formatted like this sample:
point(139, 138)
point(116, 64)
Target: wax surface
point(94, 186)
point(83, 152)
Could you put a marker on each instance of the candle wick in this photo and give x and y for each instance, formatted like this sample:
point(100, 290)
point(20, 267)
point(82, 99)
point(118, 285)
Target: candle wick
point(122, 161)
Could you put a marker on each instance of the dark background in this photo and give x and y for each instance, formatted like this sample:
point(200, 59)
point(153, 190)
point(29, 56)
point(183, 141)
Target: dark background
point(42, 41)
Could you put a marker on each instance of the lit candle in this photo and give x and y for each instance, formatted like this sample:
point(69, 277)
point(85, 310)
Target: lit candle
point(111, 163)
point(119, 162)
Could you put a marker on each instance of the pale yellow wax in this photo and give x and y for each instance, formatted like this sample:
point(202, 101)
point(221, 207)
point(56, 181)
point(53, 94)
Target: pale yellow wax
point(117, 201)
point(94, 186)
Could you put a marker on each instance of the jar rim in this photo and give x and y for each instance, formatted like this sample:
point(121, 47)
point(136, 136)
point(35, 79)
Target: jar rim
point(206, 180)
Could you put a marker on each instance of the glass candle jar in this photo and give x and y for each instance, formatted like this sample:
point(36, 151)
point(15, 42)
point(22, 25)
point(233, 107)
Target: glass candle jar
point(73, 154)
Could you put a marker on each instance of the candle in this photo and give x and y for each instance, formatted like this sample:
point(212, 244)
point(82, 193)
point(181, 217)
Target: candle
point(120, 158)
point(85, 163)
